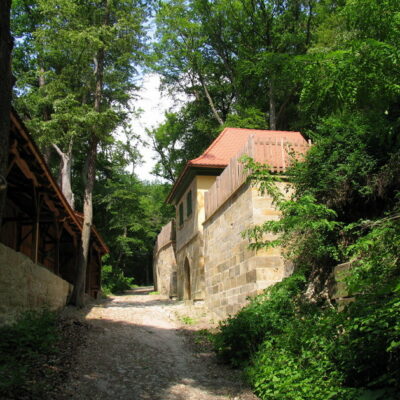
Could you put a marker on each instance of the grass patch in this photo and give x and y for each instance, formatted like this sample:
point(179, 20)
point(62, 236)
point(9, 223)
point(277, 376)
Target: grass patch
point(204, 337)
point(187, 320)
point(24, 349)
point(154, 293)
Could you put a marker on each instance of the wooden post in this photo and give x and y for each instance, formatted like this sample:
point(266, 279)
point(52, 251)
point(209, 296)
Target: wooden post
point(19, 236)
point(38, 205)
point(57, 252)
point(283, 155)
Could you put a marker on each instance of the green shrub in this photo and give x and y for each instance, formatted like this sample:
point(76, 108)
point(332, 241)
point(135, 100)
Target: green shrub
point(368, 351)
point(22, 347)
point(294, 348)
point(280, 374)
point(241, 335)
point(114, 280)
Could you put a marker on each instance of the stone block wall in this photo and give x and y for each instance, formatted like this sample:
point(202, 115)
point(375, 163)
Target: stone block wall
point(27, 286)
point(165, 272)
point(190, 277)
point(233, 271)
point(337, 289)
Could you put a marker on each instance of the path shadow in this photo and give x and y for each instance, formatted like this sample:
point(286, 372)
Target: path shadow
point(146, 362)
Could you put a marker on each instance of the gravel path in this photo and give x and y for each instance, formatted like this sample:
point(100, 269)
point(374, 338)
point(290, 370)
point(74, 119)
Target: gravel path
point(136, 348)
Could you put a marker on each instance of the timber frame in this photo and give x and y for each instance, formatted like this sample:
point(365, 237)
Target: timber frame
point(37, 219)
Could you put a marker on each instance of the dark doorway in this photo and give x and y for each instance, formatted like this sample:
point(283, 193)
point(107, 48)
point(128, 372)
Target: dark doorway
point(187, 290)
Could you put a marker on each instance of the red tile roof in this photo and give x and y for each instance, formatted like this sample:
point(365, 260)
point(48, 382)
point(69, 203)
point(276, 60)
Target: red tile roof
point(232, 140)
point(228, 144)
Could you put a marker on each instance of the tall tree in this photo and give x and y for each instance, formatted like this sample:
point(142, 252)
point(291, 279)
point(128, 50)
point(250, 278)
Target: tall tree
point(87, 52)
point(6, 45)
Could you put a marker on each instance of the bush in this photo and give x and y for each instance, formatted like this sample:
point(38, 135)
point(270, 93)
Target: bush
point(296, 350)
point(114, 280)
point(240, 336)
point(23, 346)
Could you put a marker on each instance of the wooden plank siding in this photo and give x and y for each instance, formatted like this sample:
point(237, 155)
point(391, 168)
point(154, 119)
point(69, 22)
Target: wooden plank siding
point(166, 236)
point(278, 154)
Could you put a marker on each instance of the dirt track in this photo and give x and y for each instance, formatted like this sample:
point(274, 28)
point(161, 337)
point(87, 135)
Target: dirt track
point(136, 348)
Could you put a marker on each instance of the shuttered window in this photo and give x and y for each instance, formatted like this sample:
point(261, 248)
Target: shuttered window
point(181, 214)
point(189, 204)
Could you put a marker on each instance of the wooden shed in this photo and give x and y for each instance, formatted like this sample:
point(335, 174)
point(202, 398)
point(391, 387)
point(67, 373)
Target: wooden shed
point(37, 219)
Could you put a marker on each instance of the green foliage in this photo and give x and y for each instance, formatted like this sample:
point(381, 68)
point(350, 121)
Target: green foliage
point(23, 346)
point(249, 118)
point(203, 337)
point(57, 43)
point(113, 280)
point(307, 231)
point(297, 364)
point(349, 149)
point(376, 253)
point(241, 335)
point(187, 320)
point(294, 348)
point(130, 213)
point(183, 136)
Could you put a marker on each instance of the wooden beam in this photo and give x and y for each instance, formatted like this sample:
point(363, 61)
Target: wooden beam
point(10, 166)
point(27, 234)
point(23, 166)
point(29, 220)
point(51, 205)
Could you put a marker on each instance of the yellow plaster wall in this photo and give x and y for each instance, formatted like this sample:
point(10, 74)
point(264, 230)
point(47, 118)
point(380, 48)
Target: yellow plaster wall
point(189, 238)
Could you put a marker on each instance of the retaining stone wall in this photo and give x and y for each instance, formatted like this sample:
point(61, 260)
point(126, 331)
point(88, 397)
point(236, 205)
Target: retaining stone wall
point(25, 285)
point(232, 271)
point(165, 270)
point(194, 253)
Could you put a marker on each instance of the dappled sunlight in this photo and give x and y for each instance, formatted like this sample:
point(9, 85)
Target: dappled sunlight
point(137, 350)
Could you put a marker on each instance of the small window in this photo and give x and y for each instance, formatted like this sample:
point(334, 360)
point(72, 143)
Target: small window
point(181, 214)
point(189, 204)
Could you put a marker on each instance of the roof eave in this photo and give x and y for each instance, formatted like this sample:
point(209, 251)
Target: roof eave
point(35, 150)
point(189, 172)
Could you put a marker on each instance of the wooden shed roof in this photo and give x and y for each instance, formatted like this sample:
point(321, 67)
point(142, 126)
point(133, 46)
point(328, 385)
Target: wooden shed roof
point(34, 167)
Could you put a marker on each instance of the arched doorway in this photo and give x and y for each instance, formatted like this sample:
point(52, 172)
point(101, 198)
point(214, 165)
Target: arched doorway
point(187, 290)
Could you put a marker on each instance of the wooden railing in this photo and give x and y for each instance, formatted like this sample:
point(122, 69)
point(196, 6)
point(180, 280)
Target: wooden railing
point(277, 153)
point(166, 236)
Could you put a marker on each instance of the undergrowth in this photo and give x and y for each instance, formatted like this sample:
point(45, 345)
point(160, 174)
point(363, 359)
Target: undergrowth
point(24, 349)
point(113, 280)
point(291, 341)
point(292, 349)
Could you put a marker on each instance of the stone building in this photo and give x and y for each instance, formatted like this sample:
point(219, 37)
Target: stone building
point(165, 275)
point(214, 204)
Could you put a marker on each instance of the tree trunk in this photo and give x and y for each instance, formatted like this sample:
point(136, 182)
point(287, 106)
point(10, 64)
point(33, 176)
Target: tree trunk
point(6, 44)
point(46, 150)
point(78, 293)
point(65, 173)
point(77, 297)
point(210, 101)
point(272, 106)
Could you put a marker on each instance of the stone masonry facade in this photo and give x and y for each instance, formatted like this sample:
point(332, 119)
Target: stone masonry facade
point(25, 285)
point(214, 205)
point(233, 272)
point(165, 274)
